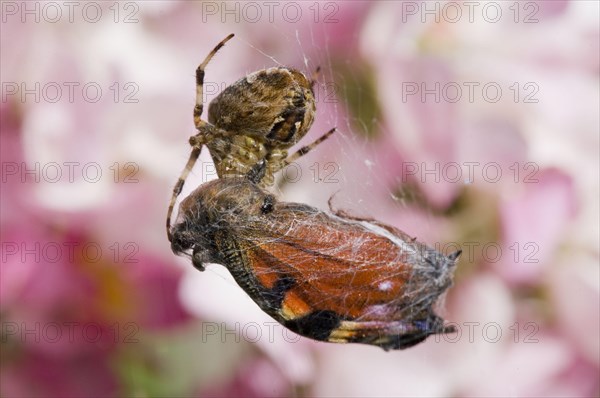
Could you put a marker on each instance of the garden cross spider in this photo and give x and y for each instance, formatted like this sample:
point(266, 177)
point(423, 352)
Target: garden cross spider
point(254, 120)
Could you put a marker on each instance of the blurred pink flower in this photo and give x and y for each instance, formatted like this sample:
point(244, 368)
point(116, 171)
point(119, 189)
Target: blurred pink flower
point(35, 374)
point(427, 142)
point(555, 8)
point(574, 287)
point(66, 311)
point(534, 223)
point(155, 293)
point(254, 378)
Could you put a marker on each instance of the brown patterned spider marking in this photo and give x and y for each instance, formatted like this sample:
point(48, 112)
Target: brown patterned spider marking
point(254, 120)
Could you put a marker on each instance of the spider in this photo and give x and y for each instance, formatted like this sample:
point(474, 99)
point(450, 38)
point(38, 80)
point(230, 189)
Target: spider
point(256, 119)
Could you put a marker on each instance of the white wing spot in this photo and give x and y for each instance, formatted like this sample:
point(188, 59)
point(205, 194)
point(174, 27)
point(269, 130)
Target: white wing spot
point(385, 286)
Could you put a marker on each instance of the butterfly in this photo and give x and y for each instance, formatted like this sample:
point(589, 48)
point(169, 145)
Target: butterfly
point(327, 276)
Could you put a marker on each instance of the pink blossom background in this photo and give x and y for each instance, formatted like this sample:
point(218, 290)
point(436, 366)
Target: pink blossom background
point(134, 320)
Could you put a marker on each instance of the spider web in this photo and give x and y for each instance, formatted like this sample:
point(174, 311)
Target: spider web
point(344, 166)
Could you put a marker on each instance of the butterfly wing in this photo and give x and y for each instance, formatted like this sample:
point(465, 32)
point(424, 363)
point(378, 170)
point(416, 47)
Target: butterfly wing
point(341, 280)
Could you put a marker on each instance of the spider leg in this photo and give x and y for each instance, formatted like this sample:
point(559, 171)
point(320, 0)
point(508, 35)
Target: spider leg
point(179, 185)
point(344, 214)
point(305, 149)
point(196, 141)
point(200, 82)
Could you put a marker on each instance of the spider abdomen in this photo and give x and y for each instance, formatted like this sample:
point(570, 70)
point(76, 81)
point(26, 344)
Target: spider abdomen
point(275, 106)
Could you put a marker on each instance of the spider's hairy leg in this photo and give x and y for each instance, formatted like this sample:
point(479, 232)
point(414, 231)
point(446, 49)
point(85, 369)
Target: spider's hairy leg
point(198, 140)
point(207, 135)
point(305, 149)
point(179, 185)
point(200, 81)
